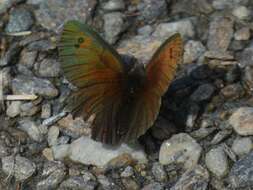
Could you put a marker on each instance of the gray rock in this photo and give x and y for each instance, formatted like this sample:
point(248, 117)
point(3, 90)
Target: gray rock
point(76, 183)
point(241, 121)
point(56, 176)
point(88, 151)
point(184, 27)
point(31, 129)
point(248, 77)
point(241, 174)
point(193, 50)
point(180, 148)
point(153, 186)
point(61, 151)
point(113, 26)
point(219, 55)
point(203, 93)
point(51, 166)
point(227, 4)
point(202, 132)
point(52, 136)
point(5, 5)
point(159, 172)
point(151, 10)
point(48, 68)
point(4, 150)
point(5, 73)
point(33, 85)
point(13, 109)
point(114, 5)
point(242, 146)
point(246, 58)
point(221, 135)
point(220, 33)
point(28, 58)
point(63, 140)
point(145, 30)
point(29, 109)
point(45, 111)
point(20, 20)
point(19, 167)
point(241, 12)
point(216, 161)
point(128, 172)
point(130, 183)
point(106, 183)
point(232, 91)
point(196, 178)
point(53, 13)
point(41, 45)
point(242, 34)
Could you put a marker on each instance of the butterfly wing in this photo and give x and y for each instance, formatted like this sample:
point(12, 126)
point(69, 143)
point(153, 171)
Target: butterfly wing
point(159, 73)
point(95, 68)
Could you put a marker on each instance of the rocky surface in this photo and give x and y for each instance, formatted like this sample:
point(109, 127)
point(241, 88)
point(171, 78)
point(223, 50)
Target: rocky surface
point(202, 138)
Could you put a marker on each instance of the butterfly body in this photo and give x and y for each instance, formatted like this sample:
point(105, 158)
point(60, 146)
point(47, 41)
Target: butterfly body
point(124, 95)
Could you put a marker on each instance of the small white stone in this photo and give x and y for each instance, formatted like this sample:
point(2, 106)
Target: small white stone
point(13, 109)
point(216, 162)
point(61, 151)
point(180, 148)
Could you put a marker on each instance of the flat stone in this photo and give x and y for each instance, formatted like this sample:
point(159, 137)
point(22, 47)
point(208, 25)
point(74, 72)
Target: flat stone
point(216, 161)
point(20, 20)
point(13, 109)
point(242, 34)
point(184, 27)
point(241, 12)
point(52, 136)
point(60, 152)
point(241, 174)
point(219, 55)
point(53, 13)
point(19, 167)
point(90, 152)
point(220, 33)
point(242, 146)
point(203, 93)
point(196, 178)
point(242, 121)
point(48, 68)
point(33, 85)
point(180, 148)
point(228, 4)
point(114, 5)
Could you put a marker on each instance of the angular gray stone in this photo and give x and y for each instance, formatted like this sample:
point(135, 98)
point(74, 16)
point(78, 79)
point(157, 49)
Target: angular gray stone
point(13, 109)
point(246, 58)
point(76, 183)
point(242, 121)
point(48, 68)
point(114, 5)
point(20, 20)
point(31, 129)
point(203, 92)
point(53, 13)
point(242, 34)
point(88, 151)
point(113, 26)
point(242, 146)
point(33, 85)
point(52, 136)
point(241, 12)
point(193, 50)
point(241, 174)
point(220, 33)
point(228, 4)
point(180, 148)
point(159, 172)
point(19, 167)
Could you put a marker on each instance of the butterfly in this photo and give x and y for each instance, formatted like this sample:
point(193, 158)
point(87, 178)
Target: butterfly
point(124, 95)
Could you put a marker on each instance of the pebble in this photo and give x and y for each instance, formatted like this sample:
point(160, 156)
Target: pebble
point(60, 152)
point(217, 162)
point(184, 27)
point(48, 154)
point(130, 183)
point(246, 58)
point(220, 33)
point(5, 5)
point(232, 91)
point(33, 85)
point(242, 34)
point(53, 134)
point(113, 26)
point(20, 20)
point(159, 172)
point(247, 77)
point(150, 10)
point(197, 178)
point(241, 12)
point(202, 132)
point(180, 148)
point(241, 120)
point(227, 4)
point(45, 111)
point(241, 174)
point(19, 167)
point(219, 55)
point(220, 136)
point(28, 58)
point(106, 183)
point(52, 14)
point(48, 68)
point(114, 5)
point(193, 50)
point(29, 109)
point(203, 93)
point(13, 109)
point(77, 182)
point(242, 146)
point(31, 128)
point(90, 152)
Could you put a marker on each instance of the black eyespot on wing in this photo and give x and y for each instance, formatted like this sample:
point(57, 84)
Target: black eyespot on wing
point(80, 40)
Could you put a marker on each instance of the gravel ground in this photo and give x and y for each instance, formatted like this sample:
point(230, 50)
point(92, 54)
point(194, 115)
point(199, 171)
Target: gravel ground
point(202, 138)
